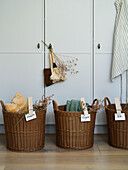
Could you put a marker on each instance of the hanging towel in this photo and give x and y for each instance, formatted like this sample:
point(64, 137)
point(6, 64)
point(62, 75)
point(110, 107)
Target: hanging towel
point(120, 42)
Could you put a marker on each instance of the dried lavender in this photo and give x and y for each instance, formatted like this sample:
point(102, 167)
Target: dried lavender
point(99, 106)
point(66, 63)
point(43, 103)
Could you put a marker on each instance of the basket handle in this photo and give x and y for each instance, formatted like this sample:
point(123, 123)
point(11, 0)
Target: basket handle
point(105, 101)
point(55, 105)
point(2, 104)
point(97, 102)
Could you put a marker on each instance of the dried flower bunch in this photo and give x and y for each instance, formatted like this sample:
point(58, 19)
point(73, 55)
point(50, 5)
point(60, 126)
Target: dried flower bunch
point(42, 104)
point(66, 63)
point(99, 106)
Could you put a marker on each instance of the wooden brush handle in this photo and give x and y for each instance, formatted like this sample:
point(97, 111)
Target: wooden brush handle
point(51, 63)
point(52, 56)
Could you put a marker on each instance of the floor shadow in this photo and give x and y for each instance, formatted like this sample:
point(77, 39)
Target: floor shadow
point(2, 140)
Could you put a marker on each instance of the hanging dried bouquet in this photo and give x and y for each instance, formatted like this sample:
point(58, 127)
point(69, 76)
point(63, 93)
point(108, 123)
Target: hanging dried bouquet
point(60, 66)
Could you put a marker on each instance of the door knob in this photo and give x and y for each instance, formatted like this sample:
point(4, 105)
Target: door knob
point(99, 46)
point(38, 45)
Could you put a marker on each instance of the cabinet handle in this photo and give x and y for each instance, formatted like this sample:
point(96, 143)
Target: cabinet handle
point(99, 46)
point(38, 45)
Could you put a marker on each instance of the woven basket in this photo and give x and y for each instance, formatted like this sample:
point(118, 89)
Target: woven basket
point(70, 131)
point(117, 130)
point(24, 136)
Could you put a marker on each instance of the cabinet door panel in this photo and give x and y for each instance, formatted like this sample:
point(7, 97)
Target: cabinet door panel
point(68, 25)
point(75, 87)
point(103, 87)
point(23, 73)
point(21, 25)
point(105, 14)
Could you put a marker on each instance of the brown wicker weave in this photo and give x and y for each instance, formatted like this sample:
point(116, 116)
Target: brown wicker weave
point(24, 136)
point(117, 130)
point(70, 131)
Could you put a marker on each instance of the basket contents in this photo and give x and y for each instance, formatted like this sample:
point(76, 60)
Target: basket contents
point(17, 105)
point(43, 103)
point(74, 105)
point(117, 128)
point(70, 131)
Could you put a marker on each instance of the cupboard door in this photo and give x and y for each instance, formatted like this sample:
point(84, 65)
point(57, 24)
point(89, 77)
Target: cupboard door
point(21, 25)
point(104, 19)
point(69, 29)
point(21, 62)
point(103, 87)
point(68, 25)
point(105, 14)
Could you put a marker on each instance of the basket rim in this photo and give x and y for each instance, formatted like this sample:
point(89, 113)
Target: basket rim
point(15, 113)
point(114, 104)
point(76, 112)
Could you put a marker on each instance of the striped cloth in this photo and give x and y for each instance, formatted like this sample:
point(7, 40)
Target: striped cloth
point(120, 42)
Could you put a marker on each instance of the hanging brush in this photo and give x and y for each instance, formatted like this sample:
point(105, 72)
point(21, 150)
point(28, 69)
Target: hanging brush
point(52, 55)
point(57, 74)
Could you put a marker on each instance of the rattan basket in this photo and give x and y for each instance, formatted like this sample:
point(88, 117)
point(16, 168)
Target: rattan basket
point(70, 131)
point(24, 136)
point(117, 130)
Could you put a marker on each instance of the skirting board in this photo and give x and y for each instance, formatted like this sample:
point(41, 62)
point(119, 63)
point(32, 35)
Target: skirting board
point(50, 129)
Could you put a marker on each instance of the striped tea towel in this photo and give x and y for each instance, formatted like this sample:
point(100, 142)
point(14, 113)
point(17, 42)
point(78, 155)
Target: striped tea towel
point(120, 43)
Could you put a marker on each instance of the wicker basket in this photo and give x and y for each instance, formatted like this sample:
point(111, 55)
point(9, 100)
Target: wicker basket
point(117, 130)
point(70, 131)
point(24, 136)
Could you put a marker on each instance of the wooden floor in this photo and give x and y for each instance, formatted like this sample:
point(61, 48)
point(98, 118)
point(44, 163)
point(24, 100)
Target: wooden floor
point(100, 156)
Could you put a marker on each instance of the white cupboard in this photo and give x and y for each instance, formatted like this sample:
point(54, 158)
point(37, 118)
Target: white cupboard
point(75, 28)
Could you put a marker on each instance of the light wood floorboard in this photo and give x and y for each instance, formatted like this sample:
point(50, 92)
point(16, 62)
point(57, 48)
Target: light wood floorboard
point(100, 156)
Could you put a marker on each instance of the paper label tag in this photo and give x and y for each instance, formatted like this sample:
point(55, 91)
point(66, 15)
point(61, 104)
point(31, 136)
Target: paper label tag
point(85, 118)
point(122, 117)
point(30, 117)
